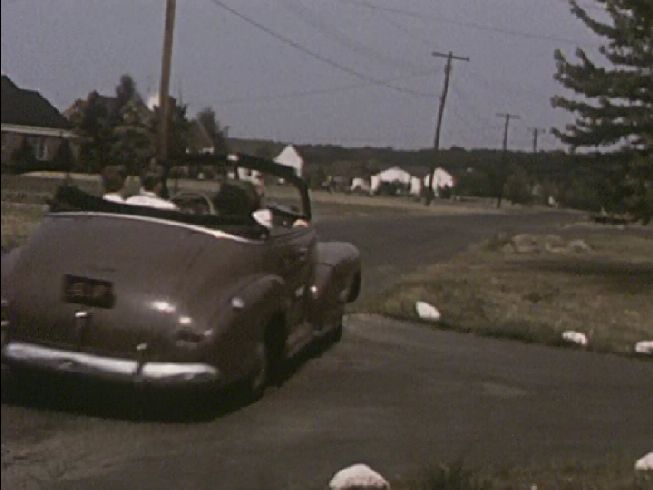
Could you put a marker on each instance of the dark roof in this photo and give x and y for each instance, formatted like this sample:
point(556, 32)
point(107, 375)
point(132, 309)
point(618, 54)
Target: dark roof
point(199, 136)
point(28, 108)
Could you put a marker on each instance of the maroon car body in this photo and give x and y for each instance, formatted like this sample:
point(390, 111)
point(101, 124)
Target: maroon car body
point(138, 294)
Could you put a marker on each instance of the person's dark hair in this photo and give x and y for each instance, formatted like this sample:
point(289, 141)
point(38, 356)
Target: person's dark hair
point(237, 198)
point(113, 178)
point(150, 178)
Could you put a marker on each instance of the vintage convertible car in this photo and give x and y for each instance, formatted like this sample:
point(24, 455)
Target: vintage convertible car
point(203, 296)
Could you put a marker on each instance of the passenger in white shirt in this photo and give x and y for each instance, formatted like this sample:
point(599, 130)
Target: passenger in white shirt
point(113, 181)
point(150, 192)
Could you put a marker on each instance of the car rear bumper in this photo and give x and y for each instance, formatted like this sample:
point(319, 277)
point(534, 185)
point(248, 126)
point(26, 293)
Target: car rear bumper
point(38, 357)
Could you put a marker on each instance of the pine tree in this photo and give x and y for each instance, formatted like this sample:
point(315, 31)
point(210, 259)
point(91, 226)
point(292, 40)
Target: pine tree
point(615, 108)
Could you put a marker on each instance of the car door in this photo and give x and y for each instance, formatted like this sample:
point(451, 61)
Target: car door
point(294, 252)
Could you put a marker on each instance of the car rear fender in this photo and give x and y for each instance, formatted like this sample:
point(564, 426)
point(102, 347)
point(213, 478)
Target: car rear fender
point(337, 272)
point(241, 323)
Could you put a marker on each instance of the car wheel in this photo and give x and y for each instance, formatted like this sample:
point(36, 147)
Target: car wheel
point(257, 382)
point(336, 336)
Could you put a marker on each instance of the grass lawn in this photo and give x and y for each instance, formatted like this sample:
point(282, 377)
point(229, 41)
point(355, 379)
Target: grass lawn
point(491, 289)
point(613, 473)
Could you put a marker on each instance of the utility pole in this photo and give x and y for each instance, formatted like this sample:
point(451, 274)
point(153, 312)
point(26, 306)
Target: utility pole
point(536, 132)
point(164, 87)
point(438, 126)
point(504, 157)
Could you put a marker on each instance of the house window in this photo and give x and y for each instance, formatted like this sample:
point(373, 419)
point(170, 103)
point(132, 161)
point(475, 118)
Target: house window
point(41, 149)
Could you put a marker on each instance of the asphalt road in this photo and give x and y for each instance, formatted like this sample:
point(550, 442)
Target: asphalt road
point(394, 244)
point(394, 395)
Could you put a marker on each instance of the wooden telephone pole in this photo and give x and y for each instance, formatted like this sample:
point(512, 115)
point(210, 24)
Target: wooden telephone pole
point(164, 87)
point(536, 132)
point(504, 157)
point(438, 125)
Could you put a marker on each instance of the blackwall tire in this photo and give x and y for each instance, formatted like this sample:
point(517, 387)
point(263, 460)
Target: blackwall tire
point(257, 382)
point(336, 336)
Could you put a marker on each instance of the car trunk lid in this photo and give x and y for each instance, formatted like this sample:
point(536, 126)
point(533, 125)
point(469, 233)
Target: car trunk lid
point(103, 284)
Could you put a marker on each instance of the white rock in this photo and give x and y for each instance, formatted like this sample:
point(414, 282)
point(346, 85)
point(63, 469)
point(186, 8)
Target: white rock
point(644, 347)
point(358, 477)
point(574, 337)
point(427, 311)
point(525, 243)
point(579, 246)
point(645, 463)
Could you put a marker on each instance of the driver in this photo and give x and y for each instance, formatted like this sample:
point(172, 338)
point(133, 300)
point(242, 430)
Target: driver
point(150, 191)
point(113, 181)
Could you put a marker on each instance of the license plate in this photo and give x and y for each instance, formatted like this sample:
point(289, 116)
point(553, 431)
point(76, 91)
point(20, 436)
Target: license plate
point(90, 292)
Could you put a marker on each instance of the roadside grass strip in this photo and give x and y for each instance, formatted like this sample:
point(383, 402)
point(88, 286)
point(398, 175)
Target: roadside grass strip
point(614, 472)
point(596, 298)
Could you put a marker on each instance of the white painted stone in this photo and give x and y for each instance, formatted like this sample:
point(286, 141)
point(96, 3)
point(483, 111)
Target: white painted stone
point(575, 337)
point(358, 477)
point(644, 347)
point(579, 246)
point(645, 463)
point(427, 311)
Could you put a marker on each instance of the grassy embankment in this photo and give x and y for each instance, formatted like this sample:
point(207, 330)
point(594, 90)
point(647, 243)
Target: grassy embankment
point(615, 473)
point(547, 288)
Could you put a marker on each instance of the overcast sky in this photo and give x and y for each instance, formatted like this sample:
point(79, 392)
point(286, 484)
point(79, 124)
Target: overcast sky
point(262, 87)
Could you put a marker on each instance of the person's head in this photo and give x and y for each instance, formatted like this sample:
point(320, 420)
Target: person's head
point(113, 178)
point(237, 198)
point(152, 180)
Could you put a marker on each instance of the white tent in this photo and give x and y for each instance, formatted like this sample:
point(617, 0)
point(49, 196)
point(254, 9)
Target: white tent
point(359, 184)
point(415, 186)
point(290, 158)
point(392, 174)
point(441, 178)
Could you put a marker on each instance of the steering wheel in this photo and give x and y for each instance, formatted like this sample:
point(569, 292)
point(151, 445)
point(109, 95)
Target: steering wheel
point(192, 202)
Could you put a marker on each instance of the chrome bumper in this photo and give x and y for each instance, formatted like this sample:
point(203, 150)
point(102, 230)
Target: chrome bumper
point(35, 356)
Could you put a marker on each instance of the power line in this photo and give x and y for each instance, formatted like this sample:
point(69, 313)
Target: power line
point(505, 86)
point(313, 54)
point(318, 91)
point(327, 29)
point(462, 99)
point(469, 24)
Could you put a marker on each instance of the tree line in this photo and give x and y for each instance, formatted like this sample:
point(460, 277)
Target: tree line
point(123, 130)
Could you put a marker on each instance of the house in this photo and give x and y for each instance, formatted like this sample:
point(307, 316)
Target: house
point(32, 128)
point(291, 158)
point(200, 141)
point(108, 106)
